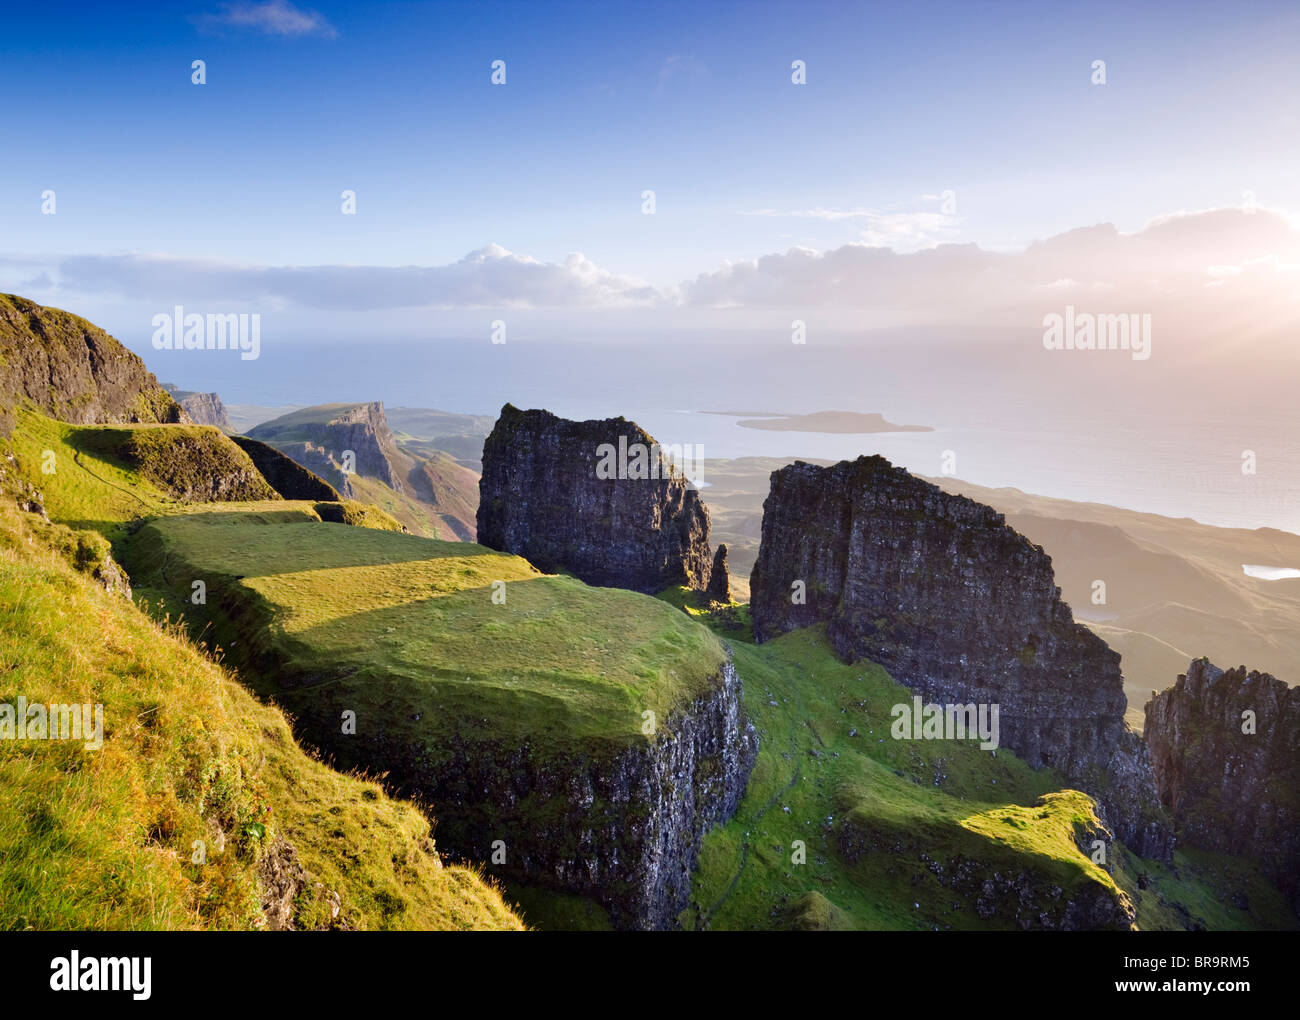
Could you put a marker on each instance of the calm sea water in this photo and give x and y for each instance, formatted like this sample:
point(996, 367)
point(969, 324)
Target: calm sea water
point(1162, 436)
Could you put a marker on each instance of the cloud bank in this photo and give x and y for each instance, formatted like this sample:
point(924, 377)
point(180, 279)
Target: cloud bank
point(1247, 261)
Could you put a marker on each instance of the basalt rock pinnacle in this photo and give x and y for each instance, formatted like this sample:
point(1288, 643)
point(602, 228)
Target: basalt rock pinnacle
point(961, 608)
point(580, 496)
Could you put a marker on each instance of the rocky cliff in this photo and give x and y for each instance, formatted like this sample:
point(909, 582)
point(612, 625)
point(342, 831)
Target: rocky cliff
point(69, 369)
point(1226, 751)
point(583, 497)
point(423, 487)
point(622, 828)
point(960, 608)
point(203, 408)
point(321, 438)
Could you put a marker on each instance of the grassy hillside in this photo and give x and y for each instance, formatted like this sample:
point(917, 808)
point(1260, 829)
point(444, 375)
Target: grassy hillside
point(103, 478)
point(106, 838)
point(889, 824)
point(404, 630)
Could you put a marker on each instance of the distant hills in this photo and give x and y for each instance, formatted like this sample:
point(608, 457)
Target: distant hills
point(203, 408)
point(847, 422)
point(354, 448)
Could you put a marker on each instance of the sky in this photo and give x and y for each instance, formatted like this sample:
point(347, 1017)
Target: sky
point(946, 161)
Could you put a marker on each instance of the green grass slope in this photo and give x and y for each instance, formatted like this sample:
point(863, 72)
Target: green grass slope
point(106, 839)
point(405, 631)
point(104, 478)
point(906, 834)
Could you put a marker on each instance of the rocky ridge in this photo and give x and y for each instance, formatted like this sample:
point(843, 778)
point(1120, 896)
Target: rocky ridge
point(69, 369)
point(959, 608)
point(203, 408)
point(1225, 746)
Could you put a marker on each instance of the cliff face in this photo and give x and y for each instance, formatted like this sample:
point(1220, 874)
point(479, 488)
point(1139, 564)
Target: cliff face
point(620, 824)
point(71, 370)
point(541, 497)
point(318, 439)
point(1229, 790)
point(960, 608)
point(203, 408)
point(625, 831)
point(364, 430)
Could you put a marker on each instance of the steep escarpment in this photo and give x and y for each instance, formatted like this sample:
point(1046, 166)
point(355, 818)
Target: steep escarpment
point(289, 478)
point(1225, 746)
point(337, 440)
point(203, 408)
point(594, 498)
point(352, 447)
point(67, 368)
point(961, 609)
point(594, 732)
point(622, 826)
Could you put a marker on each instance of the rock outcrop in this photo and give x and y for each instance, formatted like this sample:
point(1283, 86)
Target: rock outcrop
point(1004, 887)
point(195, 465)
point(70, 369)
point(1226, 751)
point(623, 829)
point(350, 446)
point(720, 577)
point(960, 608)
point(289, 478)
point(337, 440)
point(203, 408)
point(594, 498)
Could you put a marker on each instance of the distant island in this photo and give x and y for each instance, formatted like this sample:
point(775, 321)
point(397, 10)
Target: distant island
point(820, 421)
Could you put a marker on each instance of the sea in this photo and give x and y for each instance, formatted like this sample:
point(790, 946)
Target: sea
point(1214, 437)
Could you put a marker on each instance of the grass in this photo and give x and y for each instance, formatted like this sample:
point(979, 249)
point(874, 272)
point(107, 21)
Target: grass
point(1205, 891)
point(94, 484)
point(84, 482)
point(406, 632)
point(193, 463)
point(879, 817)
point(419, 518)
point(106, 839)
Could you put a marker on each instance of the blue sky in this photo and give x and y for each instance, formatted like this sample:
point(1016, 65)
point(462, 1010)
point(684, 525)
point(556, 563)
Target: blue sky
point(993, 102)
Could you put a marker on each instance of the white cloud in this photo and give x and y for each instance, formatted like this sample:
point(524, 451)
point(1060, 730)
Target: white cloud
point(274, 17)
point(489, 277)
point(1217, 263)
point(1163, 263)
point(902, 230)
